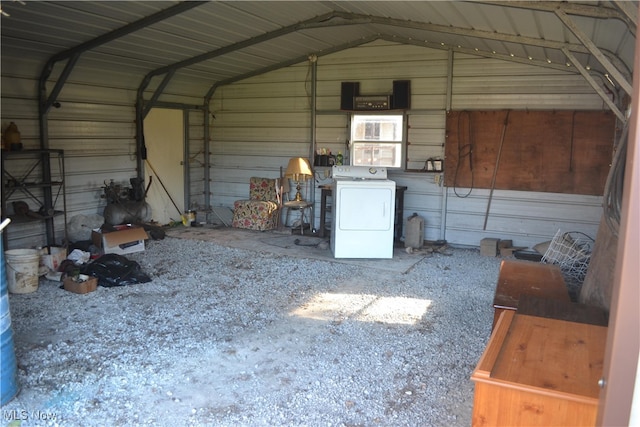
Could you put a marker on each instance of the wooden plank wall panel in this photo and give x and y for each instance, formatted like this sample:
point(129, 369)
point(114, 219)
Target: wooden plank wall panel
point(547, 151)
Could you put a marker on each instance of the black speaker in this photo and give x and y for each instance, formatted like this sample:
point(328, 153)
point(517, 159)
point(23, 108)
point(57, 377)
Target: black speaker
point(347, 94)
point(401, 94)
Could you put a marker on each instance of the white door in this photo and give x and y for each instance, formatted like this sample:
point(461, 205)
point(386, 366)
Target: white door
point(164, 138)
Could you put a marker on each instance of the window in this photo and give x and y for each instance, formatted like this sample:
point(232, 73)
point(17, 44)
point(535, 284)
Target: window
point(376, 140)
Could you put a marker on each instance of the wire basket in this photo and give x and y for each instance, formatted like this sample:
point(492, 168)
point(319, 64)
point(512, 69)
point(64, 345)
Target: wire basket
point(571, 251)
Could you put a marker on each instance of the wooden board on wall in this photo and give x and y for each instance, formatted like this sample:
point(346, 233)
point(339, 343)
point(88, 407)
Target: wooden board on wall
point(549, 151)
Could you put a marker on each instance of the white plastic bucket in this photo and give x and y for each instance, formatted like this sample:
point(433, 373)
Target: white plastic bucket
point(22, 270)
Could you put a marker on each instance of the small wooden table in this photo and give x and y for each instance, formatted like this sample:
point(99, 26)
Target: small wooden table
point(537, 371)
point(518, 278)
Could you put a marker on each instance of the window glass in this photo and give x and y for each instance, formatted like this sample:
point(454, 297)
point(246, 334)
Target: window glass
point(376, 140)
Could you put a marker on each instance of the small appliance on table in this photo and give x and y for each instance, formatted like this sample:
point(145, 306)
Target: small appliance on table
point(363, 212)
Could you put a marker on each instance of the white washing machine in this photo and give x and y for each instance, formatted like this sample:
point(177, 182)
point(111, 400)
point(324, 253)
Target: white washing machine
point(362, 224)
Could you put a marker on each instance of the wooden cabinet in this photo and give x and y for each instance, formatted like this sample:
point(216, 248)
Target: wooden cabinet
point(538, 371)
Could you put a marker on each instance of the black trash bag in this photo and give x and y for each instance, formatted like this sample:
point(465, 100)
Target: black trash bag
point(115, 270)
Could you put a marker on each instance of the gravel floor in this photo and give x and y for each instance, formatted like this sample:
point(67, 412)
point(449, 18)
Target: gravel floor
point(231, 337)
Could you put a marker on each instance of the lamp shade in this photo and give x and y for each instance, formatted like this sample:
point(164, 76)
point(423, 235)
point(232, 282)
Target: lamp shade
point(298, 169)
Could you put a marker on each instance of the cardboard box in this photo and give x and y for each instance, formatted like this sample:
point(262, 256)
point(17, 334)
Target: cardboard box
point(52, 257)
point(505, 244)
point(489, 246)
point(84, 287)
point(126, 239)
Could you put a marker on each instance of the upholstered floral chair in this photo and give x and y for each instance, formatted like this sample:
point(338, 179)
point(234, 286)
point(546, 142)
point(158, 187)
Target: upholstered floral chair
point(262, 210)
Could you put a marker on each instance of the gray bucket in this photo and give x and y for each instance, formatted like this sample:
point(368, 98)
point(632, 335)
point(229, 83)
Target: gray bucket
point(23, 266)
point(8, 364)
point(414, 233)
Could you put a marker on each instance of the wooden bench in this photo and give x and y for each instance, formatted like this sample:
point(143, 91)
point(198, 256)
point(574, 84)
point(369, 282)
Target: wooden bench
point(518, 278)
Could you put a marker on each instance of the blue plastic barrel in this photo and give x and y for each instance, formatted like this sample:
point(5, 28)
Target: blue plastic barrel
point(8, 365)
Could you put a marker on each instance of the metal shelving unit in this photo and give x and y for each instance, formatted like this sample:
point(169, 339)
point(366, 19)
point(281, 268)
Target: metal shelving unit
point(34, 177)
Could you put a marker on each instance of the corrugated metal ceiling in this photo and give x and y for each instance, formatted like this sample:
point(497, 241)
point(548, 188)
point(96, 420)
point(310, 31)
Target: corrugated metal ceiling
point(525, 31)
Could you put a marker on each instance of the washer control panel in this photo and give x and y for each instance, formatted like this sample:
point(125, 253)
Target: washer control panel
point(359, 172)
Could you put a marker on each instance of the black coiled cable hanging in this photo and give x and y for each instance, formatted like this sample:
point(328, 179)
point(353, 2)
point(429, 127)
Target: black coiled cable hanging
point(464, 150)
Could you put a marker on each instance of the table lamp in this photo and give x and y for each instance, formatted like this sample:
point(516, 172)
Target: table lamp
point(298, 170)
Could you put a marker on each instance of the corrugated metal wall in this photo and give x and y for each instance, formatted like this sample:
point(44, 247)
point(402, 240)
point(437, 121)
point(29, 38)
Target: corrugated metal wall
point(95, 126)
point(259, 123)
point(262, 121)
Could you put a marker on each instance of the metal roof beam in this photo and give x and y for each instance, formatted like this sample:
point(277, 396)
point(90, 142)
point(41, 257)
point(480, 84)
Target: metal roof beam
point(287, 63)
point(469, 51)
point(157, 93)
point(344, 18)
point(117, 33)
point(622, 12)
point(578, 67)
point(310, 23)
point(595, 85)
point(570, 8)
point(73, 54)
point(129, 28)
point(140, 104)
point(470, 32)
point(629, 10)
point(57, 88)
point(595, 51)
